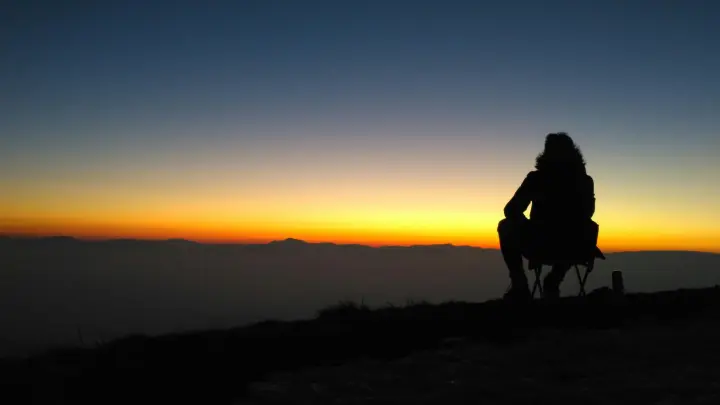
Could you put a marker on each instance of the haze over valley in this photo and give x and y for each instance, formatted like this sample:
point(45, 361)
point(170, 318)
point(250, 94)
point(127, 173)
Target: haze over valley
point(64, 291)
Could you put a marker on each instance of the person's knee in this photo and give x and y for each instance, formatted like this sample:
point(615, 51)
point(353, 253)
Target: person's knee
point(507, 229)
point(512, 225)
point(502, 226)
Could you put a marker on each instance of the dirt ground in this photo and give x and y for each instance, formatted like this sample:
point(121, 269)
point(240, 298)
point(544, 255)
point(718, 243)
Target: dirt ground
point(670, 363)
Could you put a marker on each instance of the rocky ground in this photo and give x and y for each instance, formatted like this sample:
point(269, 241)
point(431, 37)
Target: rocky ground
point(673, 363)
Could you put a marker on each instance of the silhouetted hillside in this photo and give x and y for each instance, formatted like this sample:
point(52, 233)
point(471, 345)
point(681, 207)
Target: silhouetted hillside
point(216, 366)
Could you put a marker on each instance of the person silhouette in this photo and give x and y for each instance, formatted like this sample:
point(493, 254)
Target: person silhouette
point(563, 203)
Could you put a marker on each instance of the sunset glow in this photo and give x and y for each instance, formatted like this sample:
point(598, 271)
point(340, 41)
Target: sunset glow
point(382, 212)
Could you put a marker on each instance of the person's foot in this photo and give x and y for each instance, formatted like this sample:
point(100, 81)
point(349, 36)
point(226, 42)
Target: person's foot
point(551, 288)
point(518, 295)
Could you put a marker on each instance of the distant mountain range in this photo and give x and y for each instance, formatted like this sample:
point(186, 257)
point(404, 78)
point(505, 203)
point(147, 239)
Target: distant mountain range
point(61, 288)
point(282, 242)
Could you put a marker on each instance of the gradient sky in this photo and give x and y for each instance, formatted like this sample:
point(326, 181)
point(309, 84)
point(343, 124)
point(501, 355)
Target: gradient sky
point(382, 122)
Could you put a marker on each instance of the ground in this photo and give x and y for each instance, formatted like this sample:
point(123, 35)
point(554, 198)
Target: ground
point(672, 363)
point(658, 348)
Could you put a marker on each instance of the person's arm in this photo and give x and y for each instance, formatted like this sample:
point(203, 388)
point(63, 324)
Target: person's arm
point(515, 208)
point(589, 198)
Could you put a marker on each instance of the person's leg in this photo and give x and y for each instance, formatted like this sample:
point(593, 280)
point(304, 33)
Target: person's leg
point(512, 238)
point(551, 283)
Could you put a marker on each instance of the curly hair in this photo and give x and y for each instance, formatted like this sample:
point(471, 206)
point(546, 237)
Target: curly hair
point(560, 153)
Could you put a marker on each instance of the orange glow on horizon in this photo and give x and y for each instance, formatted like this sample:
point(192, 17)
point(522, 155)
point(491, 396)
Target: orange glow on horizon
point(611, 240)
point(354, 204)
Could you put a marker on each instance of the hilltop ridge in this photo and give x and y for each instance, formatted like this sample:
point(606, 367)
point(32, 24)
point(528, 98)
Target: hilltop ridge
point(213, 366)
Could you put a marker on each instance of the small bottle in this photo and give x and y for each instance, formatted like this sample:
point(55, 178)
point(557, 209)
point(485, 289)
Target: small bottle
point(617, 283)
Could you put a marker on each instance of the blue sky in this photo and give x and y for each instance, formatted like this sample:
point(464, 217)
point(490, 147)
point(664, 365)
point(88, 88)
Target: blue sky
point(93, 91)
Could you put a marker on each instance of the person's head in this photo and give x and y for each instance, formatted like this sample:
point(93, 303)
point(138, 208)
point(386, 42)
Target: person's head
point(560, 153)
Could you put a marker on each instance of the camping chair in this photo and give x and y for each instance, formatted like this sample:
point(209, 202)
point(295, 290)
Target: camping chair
point(577, 251)
point(536, 266)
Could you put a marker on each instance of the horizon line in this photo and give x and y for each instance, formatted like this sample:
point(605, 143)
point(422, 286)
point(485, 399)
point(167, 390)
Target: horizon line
point(291, 239)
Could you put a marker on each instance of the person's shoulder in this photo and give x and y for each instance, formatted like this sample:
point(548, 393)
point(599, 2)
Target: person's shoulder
point(530, 176)
point(533, 178)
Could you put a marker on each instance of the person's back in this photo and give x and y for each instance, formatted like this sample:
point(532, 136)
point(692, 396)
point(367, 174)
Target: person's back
point(560, 190)
point(562, 198)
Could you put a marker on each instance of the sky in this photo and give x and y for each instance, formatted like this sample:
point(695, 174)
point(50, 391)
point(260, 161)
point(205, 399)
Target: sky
point(378, 122)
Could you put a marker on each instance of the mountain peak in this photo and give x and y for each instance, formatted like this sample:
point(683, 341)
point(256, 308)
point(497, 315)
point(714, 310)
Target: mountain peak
point(289, 241)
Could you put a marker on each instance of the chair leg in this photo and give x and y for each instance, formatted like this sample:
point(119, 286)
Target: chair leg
point(581, 280)
point(538, 285)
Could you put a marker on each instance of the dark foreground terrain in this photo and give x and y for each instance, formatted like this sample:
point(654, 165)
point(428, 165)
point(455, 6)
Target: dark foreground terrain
point(656, 348)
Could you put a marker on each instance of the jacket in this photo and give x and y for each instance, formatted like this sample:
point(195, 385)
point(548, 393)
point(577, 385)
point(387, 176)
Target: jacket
point(558, 198)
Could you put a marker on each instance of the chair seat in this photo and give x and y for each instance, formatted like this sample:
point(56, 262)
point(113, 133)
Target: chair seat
point(535, 264)
point(571, 259)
